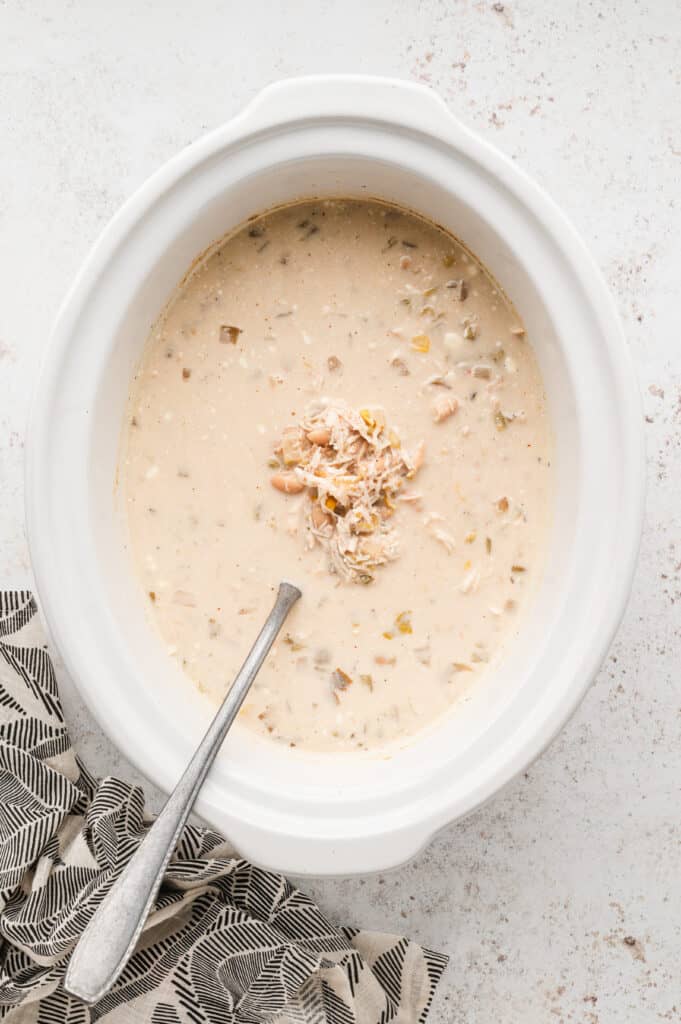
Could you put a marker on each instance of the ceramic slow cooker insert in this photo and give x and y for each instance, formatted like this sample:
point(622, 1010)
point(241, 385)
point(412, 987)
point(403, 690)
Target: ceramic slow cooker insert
point(335, 136)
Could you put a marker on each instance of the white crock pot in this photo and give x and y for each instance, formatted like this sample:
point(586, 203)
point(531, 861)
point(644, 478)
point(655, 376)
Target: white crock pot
point(335, 135)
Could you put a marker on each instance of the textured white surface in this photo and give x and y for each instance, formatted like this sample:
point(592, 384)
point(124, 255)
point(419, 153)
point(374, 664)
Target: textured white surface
point(561, 899)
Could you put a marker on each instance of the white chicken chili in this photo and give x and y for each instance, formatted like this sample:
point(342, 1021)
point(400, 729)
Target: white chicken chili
point(339, 394)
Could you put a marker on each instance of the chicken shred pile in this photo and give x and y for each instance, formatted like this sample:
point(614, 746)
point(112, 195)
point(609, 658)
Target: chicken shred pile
point(351, 467)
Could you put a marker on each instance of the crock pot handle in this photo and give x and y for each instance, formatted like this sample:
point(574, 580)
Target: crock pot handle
point(338, 96)
point(278, 846)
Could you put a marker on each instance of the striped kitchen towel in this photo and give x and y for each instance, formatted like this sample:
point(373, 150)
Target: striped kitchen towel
point(227, 943)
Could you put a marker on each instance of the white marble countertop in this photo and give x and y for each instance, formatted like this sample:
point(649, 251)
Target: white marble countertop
point(560, 900)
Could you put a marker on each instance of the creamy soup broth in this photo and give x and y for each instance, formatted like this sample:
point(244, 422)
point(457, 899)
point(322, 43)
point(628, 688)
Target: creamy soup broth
point(364, 326)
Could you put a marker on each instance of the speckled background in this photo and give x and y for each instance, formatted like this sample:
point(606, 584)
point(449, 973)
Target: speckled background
point(561, 899)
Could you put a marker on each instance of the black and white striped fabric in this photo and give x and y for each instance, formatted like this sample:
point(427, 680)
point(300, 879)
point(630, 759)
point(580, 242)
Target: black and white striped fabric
point(227, 943)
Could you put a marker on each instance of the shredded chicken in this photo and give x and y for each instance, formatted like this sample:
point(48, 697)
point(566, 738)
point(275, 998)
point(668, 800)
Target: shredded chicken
point(352, 467)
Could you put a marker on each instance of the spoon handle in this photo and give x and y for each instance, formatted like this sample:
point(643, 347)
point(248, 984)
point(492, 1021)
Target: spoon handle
point(110, 938)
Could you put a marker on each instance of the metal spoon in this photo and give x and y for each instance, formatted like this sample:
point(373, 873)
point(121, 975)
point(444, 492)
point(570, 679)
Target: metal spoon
point(110, 938)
